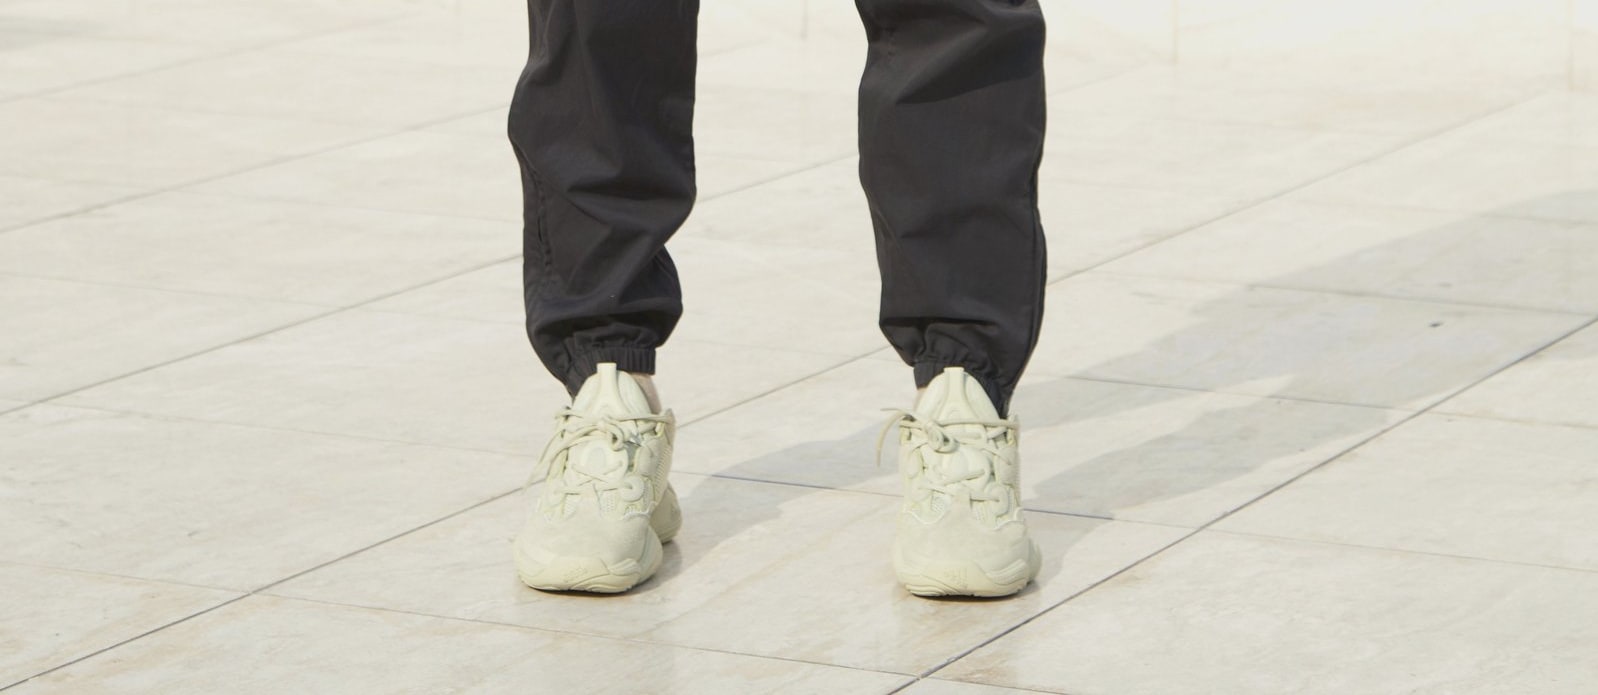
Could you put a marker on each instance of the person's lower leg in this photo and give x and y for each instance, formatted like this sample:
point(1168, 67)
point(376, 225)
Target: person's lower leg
point(601, 124)
point(951, 135)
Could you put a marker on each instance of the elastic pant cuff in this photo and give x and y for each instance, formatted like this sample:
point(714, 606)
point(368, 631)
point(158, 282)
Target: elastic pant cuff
point(638, 360)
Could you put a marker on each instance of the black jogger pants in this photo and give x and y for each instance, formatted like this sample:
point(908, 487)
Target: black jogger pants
point(951, 134)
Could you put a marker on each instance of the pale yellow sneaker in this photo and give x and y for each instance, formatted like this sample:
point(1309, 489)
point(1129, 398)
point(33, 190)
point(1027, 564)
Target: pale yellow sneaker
point(960, 530)
point(605, 507)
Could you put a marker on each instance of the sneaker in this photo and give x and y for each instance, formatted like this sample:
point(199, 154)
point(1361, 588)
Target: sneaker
point(960, 530)
point(605, 507)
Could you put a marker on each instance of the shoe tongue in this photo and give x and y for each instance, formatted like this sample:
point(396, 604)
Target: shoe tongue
point(955, 395)
point(611, 392)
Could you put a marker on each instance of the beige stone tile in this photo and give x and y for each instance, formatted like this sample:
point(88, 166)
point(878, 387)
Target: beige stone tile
point(816, 207)
point(820, 432)
point(1558, 118)
point(1088, 40)
point(1420, 44)
point(938, 686)
point(35, 62)
point(210, 23)
point(316, 87)
point(270, 250)
point(1129, 33)
point(492, 294)
point(389, 376)
point(1451, 485)
point(442, 172)
point(1280, 343)
point(1474, 174)
point(1279, 101)
point(766, 569)
point(1089, 224)
point(736, 294)
point(828, 21)
point(774, 123)
point(1409, 254)
point(505, 11)
point(824, 208)
point(1584, 45)
point(1556, 386)
point(820, 63)
point(218, 505)
point(1109, 450)
point(101, 143)
point(56, 336)
point(420, 379)
point(456, 37)
point(818, 299)
point(733, 531)
point(727, 26)
point(272, 645)
point(875, 623)
point(1171, 456)
point(51, 616)
point(720, 175)
point(427, 172)
point(1244, 162)
point(24, 200)
point(492, 123)
point(1234, 614)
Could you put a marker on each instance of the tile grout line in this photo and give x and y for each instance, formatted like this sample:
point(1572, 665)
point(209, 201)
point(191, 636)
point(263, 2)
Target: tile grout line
point(1354, 294)
point(968, 651)
point(263, 590)
point(1405, 551)
point(614, 638)
point(1515, 98)
point(139, 636)
point(315, 152)
point(265, 587)
point(1414, 415)
point(1300, 186)
point(1387, 206)
point(1277, 196)
point(114, 575)
point(1206, 526)
point(1116, 74)
point(282, 327)
point(339, 309)
point(254, 47)
point(252, 592)
point(928, 673)
point(166, 290)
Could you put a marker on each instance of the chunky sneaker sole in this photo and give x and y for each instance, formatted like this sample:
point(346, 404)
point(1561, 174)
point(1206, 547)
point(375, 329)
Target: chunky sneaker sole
point(548, 572)
point(955, 576)
point(961, 531)
point(605, 508)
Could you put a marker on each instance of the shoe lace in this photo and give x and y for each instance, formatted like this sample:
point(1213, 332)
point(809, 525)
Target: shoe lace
point(575, 427)
point(948, 474)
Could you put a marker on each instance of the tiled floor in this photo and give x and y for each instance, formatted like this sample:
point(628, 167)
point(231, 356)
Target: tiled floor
point(1315, 408)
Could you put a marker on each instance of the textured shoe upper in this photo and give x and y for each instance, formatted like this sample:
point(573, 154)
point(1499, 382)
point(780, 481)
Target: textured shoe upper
point(610, 451)
point(956, 453)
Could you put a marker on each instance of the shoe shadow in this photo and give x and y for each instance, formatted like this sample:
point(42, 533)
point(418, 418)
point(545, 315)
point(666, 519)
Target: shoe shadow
point(1195, 423)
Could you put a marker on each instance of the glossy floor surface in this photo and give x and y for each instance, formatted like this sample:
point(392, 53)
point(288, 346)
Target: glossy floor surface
point(1315, 408)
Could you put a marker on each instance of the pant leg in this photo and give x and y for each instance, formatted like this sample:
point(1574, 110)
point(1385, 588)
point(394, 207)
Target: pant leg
point(951, 135)
point(601, 124)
